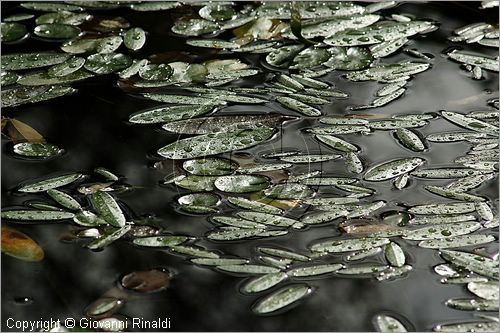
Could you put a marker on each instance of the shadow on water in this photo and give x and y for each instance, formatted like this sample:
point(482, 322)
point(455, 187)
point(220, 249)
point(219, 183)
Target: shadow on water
point(92, 127)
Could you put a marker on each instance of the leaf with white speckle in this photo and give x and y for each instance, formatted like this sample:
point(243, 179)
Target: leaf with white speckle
point(64, 199)
point(347, 245)
point(393, 168)
point(47, 184)
point(263, 282)
point(36, 215)
point(212, 144)
point(313, 270)
point(108, 208)
point(473, 262)
point(281, 298)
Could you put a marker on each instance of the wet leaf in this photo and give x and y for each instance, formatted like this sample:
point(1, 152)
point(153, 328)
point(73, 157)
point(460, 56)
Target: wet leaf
point(63, 17)
point(36, 215)
point(352, 58)
point(64, 199)
point(211, 144)
point(68, 67)
point(194, 27)
point(224, 123)
point(410, 139)
point(314, 270)
point(322, 217)
point(385, 323)
point(439, 219)
point(289, 191)
point(53, 182)
point(473, 262)
point(150, 281)
point(105, 305)
point(254, 205)
point(282, 253)
point(445, 208)
point(470, 304)
point(57, 31)
point(450, 194)
point(51, 6)
point(107, 63)
point(9, 78)
point(134, 39)
point(154, 6)
point(392, 273)
point(234, 234)
point(160, 241)
point(196, 183)
point(309, 158)
point(11, 32)
point(169, 113)
point(346, 245)
point(298, 106)
point(442, 231)
point(337, 143)
point(264, 282)
point(475, 60)
point(394, 254)
point(485, 290)
point(268, 219)
point(444, 173)
point(29, 149)
point(21, 61)
point(470, 123)
point(108, 208)
point(155, 72)
point(43, 78)
point(88, 45)
point(241, 183)
point(20, 246)
point(468, 326)
point(363, 269)
point(310, 58)
point(281, 298)
point(193, 251)
point(88, 219)
point(457, 241)
point(379, 32)
point(280, 56)
point(393, 168)
point(199, 202)
point(108, 238)
point(248, 269)
point(219, 261)
point(216, 12)
point(387, 48)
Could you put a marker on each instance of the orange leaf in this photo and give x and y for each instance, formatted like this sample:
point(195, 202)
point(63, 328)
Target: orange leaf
point(20, 246)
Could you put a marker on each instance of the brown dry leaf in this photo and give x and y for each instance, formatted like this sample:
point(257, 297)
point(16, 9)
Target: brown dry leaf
point(18, 132)
point(260, 29)
point(278, 203)
point(150, 281)
point(20, 246)
point(93, 188)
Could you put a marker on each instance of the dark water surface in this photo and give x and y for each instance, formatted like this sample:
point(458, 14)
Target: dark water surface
point(92, 127)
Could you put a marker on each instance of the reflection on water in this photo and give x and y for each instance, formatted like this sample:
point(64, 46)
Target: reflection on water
point(92, 127)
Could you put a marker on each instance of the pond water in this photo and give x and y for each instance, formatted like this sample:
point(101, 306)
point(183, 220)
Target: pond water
point(93, 129)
